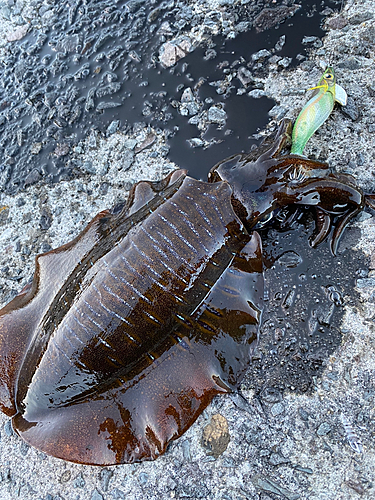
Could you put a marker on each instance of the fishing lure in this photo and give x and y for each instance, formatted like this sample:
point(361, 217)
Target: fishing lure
point(317, 110)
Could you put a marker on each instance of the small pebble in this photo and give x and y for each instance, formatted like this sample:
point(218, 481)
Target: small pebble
point(277, 409)
point(9, 429)
point(113, 127)
point(245, 76)
point(45, 221)
point(186, 450)
point(79, 481)
point(143, 478)
point(280, 43)
point(216, 115)
point(24, 448)
point(284, 62)
point(172, 51)
point(261, 54)
point(65, 476)
point(104, 477)
point(45, 247)
point(323, 429)
point(361, 18)
point(216, 435)
point(256, 93)
point(351, 63)
point(196, 142)
point(351, 110)
point(277, 459)
point(96, 495)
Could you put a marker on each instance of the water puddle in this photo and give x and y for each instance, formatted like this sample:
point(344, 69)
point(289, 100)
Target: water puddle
point(98, 63)
point(305, 291)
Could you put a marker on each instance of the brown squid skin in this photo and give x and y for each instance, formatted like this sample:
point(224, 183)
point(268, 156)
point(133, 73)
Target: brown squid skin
point(128, 332)
point(269, 178)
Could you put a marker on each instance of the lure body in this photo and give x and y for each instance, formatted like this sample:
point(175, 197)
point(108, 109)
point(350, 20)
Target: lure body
point(317, 110)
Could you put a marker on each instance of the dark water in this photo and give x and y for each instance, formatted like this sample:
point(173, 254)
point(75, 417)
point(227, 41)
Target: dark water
point(246, 115)
point(98, 62)
point(305, 291)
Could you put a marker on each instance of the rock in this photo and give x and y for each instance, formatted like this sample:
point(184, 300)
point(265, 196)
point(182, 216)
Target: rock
point(277, 112)
point(256, 93)
point(107, 105)
point(18, 33)
point(79, 481)
point(351, 109)
point(337, 23)
point(271, 395)
point(113, 127)
point(216, 115)
point(127, 159)
point(143, 478)
point(312, 40)
point(61, 149)
point(267, 484)
point(323, 429)
point(365, 283)
point(173, 51)
point(351, 63)
point(290, 259)
point(36, 148)
point(277, 409)
point(187, 95)
point(188, 108)
point(245, 76)
point(149, 141)
point(65, 476)
point(210, 54)
point(361, 18)
point(216, 435)
point(93, 139)
point(303, 414)
point(33, 177)
point(104, 477)
point(270, 17)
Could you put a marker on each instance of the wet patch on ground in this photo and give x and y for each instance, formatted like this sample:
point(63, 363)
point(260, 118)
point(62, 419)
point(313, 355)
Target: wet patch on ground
point(306, 290)
point(96, 66)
